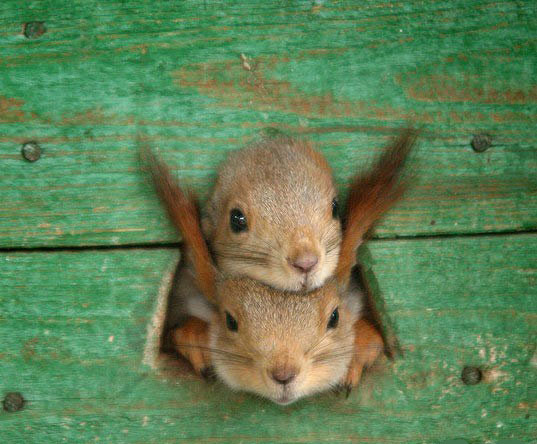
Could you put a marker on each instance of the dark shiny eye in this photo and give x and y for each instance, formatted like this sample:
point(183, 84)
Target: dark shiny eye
point(237, 221)
point(231, 322)
point(335, 209)
point(334, 319)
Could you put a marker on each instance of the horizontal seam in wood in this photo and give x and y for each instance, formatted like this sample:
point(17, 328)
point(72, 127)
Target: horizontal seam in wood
point(177, 245)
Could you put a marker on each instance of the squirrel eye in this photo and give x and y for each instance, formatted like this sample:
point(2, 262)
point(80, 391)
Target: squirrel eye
point(237, 221)
point(231, 323)
point(334, 319)
point(335, 208)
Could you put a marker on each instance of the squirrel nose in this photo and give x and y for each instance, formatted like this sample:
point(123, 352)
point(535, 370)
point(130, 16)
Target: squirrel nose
point(305, 262)
point(283, 375)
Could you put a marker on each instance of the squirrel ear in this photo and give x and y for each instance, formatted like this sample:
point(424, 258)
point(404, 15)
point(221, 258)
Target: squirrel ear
point(370, 196)
point(183, 212)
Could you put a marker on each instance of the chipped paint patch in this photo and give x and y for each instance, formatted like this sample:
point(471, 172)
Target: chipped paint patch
point(495, 375)
point(10, 110)
point(533, 360)
point(236, 84)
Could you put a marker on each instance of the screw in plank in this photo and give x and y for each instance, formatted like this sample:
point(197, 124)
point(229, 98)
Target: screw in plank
point(33, 30)
point(31, 151)
point(13, 402)
point(471, 375)
point(481, 142)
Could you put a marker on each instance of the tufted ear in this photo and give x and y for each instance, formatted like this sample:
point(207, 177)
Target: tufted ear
point(370, 196)
point(183, 212)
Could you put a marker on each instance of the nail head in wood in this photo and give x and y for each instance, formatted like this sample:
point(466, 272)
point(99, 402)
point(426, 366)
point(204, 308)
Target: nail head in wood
point(481, 142)
point(13, 402)
point(471, 375)
point(33, 30)
point(31, 151)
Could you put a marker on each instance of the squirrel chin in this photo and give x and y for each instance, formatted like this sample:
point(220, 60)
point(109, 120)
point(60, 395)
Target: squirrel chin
point(285, 399)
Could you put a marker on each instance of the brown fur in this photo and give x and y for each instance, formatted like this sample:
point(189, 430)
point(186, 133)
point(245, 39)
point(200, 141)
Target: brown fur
point(277, 329)
point(368, 346)
point(285, 190)
point(183, 212)
point(191, 340)
point(370, 196)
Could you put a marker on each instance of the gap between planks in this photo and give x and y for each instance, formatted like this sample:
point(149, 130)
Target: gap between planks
point(175, 245)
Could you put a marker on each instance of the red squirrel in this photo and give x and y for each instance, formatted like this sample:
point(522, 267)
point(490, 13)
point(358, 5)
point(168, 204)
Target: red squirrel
point(263, 338)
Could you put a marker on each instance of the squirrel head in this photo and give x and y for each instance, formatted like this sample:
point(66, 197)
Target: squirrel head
point(273, 216)
point(280, 345)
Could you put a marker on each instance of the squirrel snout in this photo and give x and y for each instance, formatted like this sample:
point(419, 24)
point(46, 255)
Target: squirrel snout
point(304, 262)
point(283, 375)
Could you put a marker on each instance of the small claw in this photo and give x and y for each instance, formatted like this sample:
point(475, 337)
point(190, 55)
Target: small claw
point(368, 345)
point(348, 390)
point(191, 341)
point(208, 374)
point(337, 389)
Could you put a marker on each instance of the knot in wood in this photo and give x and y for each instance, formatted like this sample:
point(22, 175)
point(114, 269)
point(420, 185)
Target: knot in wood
point(33, 30)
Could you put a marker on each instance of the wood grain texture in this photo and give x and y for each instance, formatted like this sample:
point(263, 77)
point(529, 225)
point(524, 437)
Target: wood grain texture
point(345, 74)
point(74, 325)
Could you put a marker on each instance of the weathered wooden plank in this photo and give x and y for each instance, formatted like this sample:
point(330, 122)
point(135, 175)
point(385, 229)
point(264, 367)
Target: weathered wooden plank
point(345, 74)
point(74, 329)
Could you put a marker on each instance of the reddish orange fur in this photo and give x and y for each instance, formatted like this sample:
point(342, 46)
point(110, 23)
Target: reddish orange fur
point(192, 341)
point(370, 196)
point(183, 212)
point(369, 345)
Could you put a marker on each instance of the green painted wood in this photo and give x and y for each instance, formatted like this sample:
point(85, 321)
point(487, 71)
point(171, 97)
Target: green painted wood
point(74, 329)
point(345, 74)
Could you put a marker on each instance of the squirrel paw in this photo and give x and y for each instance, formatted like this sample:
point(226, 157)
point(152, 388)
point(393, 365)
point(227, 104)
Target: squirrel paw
point(352, 378)
point(191, 340)
point(368, 345)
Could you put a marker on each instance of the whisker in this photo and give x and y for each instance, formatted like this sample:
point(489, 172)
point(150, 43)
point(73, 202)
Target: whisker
point(331, 239)
point(271, 248)
point(224, 353)
point(230, 363)
point(315, 349)
point(243, 259)
point(227, 248)
point(328, 357)
point(319, 353)
point(244, 254)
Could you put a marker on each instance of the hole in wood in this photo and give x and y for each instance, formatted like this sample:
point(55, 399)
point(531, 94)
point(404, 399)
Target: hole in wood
point(374, 308)
point(159, 352)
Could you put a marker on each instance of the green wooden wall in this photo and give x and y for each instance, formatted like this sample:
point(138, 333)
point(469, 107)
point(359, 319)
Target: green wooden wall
point(85, 249)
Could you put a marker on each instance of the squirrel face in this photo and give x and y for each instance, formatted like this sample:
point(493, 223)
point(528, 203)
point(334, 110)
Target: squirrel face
point(273, 216)
point(281, 346)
